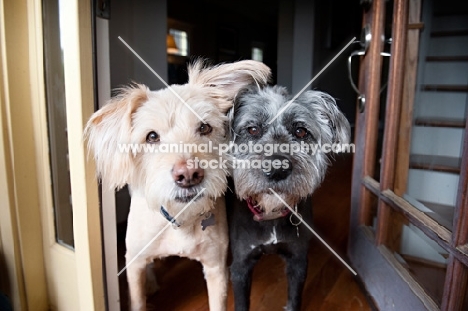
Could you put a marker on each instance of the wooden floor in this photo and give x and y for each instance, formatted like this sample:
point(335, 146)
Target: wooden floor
point(329, 286)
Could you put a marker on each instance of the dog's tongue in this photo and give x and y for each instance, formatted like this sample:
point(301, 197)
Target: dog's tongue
point(257, 211)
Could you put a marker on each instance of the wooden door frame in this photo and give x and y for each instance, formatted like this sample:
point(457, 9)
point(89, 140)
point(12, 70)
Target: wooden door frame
point(388, 282)
point(362, 239)
point(80, 97)
point(43, 274)
point(20, 226)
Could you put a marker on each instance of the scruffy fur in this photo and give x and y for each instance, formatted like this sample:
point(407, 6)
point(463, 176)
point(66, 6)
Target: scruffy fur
point(268, 229)
point(129, 118)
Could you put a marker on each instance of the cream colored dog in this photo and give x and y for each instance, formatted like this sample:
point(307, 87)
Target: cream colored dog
point(162, 183)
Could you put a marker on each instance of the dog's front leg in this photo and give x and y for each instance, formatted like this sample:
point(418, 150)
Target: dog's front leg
point(136, 277)
point(241, 277)
point(217, 282)
point(296, 270)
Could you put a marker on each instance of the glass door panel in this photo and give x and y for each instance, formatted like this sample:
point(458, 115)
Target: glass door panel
point(57, 123)
point(423, 175)
point(439, 113)
point(424, 259)
point(374, 203)
point(385, 55)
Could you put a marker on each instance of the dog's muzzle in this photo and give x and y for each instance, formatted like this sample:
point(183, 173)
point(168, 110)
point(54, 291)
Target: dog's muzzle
point(187, 179)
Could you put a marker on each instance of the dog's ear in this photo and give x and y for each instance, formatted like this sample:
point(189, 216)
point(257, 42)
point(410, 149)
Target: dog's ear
point(222, 82)
point(111, 126)
point(334, 125)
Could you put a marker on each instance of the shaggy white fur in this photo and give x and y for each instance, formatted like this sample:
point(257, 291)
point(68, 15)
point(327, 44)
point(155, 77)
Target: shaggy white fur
point(141, 116)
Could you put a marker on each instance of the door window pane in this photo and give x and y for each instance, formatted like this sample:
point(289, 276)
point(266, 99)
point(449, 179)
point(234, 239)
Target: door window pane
point(439, 114)
point(374, 206)
point(425, 260)
point(57, 123)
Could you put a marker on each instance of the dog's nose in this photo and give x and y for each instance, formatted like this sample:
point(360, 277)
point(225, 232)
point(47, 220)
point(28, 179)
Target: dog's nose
point(186, 177)
point(280, 169)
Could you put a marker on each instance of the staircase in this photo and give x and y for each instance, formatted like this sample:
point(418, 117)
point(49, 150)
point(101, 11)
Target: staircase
point(440, 110)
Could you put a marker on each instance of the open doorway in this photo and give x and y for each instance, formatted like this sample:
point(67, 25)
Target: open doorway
point(295, 39)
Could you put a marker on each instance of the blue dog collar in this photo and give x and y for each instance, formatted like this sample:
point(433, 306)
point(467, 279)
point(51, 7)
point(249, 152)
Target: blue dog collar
point(169, 218)
point(208, 219)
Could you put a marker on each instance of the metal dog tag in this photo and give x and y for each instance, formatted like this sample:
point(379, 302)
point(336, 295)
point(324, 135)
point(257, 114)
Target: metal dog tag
point(208, 221)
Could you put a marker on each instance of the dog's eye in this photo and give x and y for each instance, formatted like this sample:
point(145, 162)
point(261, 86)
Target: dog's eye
point(152, 137)
point(205, 129)
point(300, 132)
point(254, 131)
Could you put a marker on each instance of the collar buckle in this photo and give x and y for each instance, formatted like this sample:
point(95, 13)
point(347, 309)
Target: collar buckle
point(169, 218)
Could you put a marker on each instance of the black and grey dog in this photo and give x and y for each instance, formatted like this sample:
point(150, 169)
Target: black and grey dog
point(259, 222)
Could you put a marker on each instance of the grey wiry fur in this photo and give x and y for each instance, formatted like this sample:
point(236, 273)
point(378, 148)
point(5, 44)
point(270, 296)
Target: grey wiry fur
point(315, 111)
point(258, 221)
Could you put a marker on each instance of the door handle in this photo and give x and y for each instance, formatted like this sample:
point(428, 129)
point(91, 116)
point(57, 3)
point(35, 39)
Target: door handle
point(350, 61)
point(364, 41)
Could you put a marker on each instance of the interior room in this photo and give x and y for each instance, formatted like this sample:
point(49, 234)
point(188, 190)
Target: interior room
point(390, 224)
point(227, 32)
